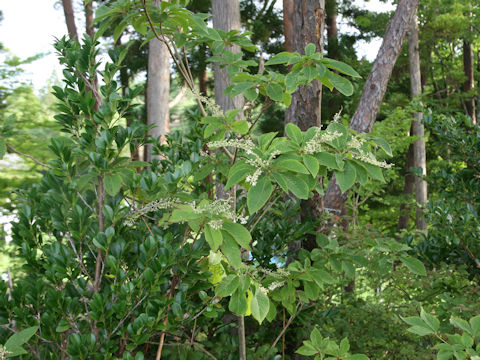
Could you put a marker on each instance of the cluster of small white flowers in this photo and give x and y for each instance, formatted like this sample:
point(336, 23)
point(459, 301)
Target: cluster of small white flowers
point(315, 144)
point(244, 144)
point(215, 224)
point(275, 284)
point(209, 104)
point(370, 159)
point(4, 352)
point(263, 290)
point(260, 165)
point(151, 206)
point(241, 219)
point(252, 179)
point(280, 273)
point(219, 207)
point(355, 143)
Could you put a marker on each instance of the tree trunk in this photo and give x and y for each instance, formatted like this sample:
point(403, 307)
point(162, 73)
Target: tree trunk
point(89, 19)
point(469, 83)
point(226, 16)
point(158, 90)
point(408, 190)
point(419, 153)
point(332, 29)
point(70, 19)
point(376, 86)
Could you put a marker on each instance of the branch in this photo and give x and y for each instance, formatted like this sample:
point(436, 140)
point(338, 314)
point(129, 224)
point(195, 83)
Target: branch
point(299, 308)
point(11, 148)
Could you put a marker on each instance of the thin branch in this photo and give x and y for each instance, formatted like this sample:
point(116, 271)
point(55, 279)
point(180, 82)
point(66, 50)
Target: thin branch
point(11, 148)
point(299, 308)
point(80, 260)
point(270, 204)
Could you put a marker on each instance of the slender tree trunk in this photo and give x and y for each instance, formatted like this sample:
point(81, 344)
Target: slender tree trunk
point(469, 83)
point(158, 90)
point(89, 19)
point(419, 153)
point(70, 19)
point(226, 16)
point(376, 86)
point(331, 9)
point(408, 190)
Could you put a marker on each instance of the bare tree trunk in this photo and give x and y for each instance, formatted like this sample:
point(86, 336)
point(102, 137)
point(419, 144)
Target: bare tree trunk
point(89, 19)
point(469, 83)
point(419, 153)
point(376, 86)
point(158, 90)
point(332, 28)
point(226, 16)
point(408, 190)
point(70, 19)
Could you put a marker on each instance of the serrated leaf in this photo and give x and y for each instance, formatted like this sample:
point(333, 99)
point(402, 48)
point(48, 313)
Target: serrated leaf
point(260, 305)
point(307, 349)
point(346, 178)
point(275, 92)
point(259, 194)
point(238, 303)
point(280, 58)
point(213, 237)
point(414, 265)
point(431, 321)
point(328, 160)
point(291, 165)
point(227, 286)
point(341, 67)
point(297, 186)
point(461, 324)
point(311, 164)
point(239, 233)
point(321, 276)
point(238, 172)
point(340, 83)
point(310, 49)
point(240, 127)
point(231, 250)
point(112, 182)
point(475, 324)
point(316, 338)
point(420, 330)
point(383, 144)
point(294, 133)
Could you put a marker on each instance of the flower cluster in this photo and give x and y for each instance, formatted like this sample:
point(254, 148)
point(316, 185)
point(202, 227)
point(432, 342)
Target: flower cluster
point(215, 224)
point(243, 144)
point(221, 208)
point(209, 104)
point(151, 206)
point(370, 159)
point(314, 145)
point(260, 164)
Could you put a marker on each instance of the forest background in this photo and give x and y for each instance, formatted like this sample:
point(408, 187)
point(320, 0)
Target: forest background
point(366, 256)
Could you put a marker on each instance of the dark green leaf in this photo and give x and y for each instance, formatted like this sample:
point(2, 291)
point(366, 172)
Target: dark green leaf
point(113, 182)
point(275, 92)
point(227, 286)
point(258, 195)
point(346, 178)
point(239, 233)
point(260, 305)
point(414, 265)
point(214, 237)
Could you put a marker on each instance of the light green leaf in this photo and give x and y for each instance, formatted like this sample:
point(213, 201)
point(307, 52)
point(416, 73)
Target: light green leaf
point(239, 233)
point(431, 321)
point(321, 276)
point(214, 237)
point(310, 49)
point(475, 324)
point(3, 148)
point(291, 165)
point(227, 286)
point(17, 340)
point(280, 58)
point(328, 160)
point(341, 84)
point(240, 127)
point(112, 182)
point(346, 178)
point(259, 194)
point(238, 303)
point(316, 338)
point(238, 172)
point(414, 265)
point(341, 67)
point(420, 330)
point(461, 324)
point(62, 326)
point(357, 357)
point(294, 133)
point(297, 186)
point(311, 163)
point(231, 250)
point(275, 92)
point(383, 144)
point(260, 305)
point(307, 349)
point(374, 171)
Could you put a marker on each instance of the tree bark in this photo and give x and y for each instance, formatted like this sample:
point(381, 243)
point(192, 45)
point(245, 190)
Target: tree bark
point(89, 19)
point(469, 83)
point(419, 153)
point(376, 86)
point(226, 16)
point(408, 190)
point(158, 90)
point(331, 9)
point(70, 19)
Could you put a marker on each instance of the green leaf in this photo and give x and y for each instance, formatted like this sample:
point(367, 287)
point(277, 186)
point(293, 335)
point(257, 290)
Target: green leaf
point(259, 194)
point(328, 160)
point(294, 133)
point(231, 250)
point(240, 127)
point(344, 345)
point(62, 326)
point(280, 58)
point(3, 148)
point(310, 49)
point(297, 186)
point(17, 340)
point(239, 233)
point(475, 324)
point(431, 321)
point(260, 305)
point(238, 172)
point(203, 172)
point(112, 182)
point(214, 237)
point(420, 330)
point(287, 99)
point(307, 349)
point(374, 171)
point(357, 357)
point(383, 144)
point(461, 324)
point(341, 67)
point(321, 276)
point(227, 286)
point(341, 84)
point(346, 178)
point(311, 290)
point(291, 165)
point(311, 163)
point(275, 92)
point(238, 303)
point(414, 265)
point(316, 338)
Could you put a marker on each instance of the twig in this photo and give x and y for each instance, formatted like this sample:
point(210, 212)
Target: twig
point(11, 148)
point(80, 260)
point(270, 204)
point(299, 308)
